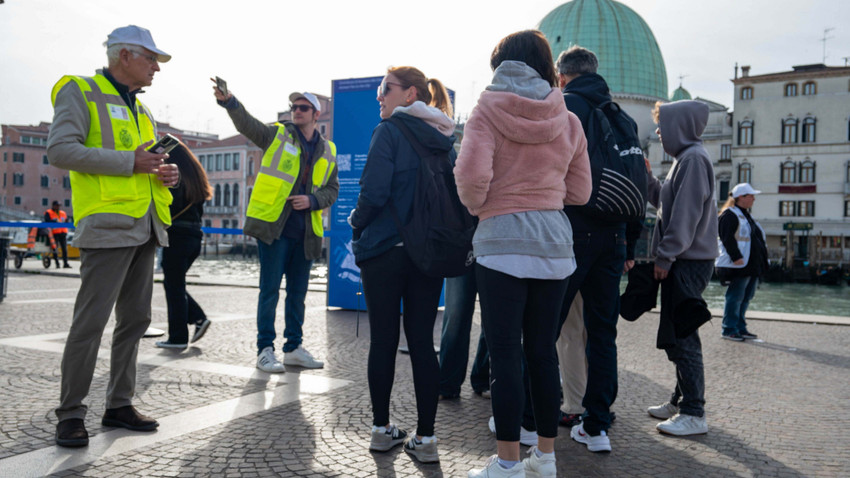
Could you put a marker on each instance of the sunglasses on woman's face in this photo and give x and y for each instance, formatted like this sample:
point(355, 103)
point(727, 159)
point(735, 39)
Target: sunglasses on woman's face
point(302, 108)
point(384, 87)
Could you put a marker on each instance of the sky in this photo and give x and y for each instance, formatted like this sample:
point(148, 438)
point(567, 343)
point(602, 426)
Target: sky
point(267, 49)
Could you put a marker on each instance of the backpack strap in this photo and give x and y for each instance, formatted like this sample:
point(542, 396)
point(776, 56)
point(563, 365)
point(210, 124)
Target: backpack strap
point(420, 151)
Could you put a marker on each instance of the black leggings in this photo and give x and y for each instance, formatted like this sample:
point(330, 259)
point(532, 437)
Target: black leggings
point(388, 280)
point(522, 315)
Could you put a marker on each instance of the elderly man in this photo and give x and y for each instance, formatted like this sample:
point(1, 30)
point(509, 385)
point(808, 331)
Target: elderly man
point(120, 196)
point(297, 179)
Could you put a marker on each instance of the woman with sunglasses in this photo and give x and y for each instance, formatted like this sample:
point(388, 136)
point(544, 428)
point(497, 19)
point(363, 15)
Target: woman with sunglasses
point(388, 274)
point(523, 157)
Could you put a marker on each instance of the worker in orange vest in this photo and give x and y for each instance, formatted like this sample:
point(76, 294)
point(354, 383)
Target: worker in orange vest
point(60, 234)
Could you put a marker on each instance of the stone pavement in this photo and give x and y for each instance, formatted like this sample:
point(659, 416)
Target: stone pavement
point(776, 408)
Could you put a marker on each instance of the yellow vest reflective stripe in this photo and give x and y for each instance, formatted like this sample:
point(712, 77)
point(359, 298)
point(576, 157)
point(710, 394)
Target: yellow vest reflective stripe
point(277, 176)
point(113, 126)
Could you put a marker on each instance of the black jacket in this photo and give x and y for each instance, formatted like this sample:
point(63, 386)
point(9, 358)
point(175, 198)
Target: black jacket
point(188, 223)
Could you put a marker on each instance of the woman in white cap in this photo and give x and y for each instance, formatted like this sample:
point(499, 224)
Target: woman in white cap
point(742, 261)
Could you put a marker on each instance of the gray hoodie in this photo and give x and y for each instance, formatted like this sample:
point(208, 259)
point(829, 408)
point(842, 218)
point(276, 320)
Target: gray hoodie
point(687, 214)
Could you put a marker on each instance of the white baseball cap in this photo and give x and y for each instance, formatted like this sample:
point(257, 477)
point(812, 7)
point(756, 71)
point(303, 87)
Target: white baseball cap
point(133, 35)
point(306, 96)
point(743, 189)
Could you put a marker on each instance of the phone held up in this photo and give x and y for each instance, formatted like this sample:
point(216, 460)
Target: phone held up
point(164, 145)
point(221, 85)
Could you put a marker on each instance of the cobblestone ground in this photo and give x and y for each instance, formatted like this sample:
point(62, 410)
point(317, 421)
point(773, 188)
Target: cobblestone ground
point(776, 408)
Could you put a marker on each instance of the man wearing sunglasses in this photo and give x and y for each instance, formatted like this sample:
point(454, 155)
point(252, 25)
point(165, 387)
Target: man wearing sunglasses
point(296, 181)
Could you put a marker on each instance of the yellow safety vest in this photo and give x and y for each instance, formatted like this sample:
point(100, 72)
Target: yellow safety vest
point(278, 174)
point(114, 127)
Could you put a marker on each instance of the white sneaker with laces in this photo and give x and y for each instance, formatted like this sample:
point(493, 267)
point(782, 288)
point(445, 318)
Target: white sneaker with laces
point(683, 425)
point(527, 438)
point(664, 411)
point(492, 469)
point(302, 358)
point(267, 362)
point(540, 466)
point(594, 443)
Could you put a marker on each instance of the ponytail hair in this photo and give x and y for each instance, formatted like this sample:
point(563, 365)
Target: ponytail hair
point(729, 203)
point(429, 91)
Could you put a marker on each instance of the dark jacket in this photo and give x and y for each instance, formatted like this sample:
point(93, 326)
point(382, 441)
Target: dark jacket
point(188, 223)
point(390, 176)
point(757, 265)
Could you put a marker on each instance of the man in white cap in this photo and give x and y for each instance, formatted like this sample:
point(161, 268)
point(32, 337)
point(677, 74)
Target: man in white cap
point(296, 181)
point(120, 196)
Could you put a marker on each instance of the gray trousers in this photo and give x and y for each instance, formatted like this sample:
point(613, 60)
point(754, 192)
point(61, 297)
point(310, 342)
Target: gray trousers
point(121, 277)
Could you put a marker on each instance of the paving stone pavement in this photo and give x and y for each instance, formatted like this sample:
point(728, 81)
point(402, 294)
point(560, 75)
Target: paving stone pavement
point(776, 408)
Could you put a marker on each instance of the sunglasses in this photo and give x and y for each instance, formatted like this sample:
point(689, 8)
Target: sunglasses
point(384, 87)
point(302, 108)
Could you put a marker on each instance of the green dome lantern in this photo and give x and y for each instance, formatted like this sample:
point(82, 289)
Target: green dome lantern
point(680, 94)
point(629, 57)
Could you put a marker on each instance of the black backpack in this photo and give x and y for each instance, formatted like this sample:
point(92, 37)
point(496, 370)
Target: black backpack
point(438, 236)
point(617, 166)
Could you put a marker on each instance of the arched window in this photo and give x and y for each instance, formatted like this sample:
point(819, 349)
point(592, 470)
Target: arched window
point(227, 195)
point(747, 93)
point(217, 197)
point(250, 166)
point(745, 132)
point(789, 172)
point(745, 172)
point(810, 88)
point(791, 89)
point(807, 171)
point(809, 130)
point(789, 130)
point(235, 194)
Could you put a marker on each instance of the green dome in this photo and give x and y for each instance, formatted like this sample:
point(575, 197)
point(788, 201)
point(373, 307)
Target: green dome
point(629, 57)
point(680, 94)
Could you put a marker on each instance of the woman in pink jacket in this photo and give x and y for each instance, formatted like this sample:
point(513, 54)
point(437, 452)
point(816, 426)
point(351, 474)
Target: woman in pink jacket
point(523, 157)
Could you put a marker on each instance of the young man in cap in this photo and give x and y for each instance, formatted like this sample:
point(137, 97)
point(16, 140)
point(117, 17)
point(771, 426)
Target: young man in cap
point(120, 194)
point(296, 181)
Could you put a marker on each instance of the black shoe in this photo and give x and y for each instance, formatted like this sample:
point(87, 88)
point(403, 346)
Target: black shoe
point(127, 417)
point(733, 337)
point(57, 265)
point(200, 330)
point(749, 335)
point(67, 266)
point(72, 433)
point(448, 396)
point(569, 419)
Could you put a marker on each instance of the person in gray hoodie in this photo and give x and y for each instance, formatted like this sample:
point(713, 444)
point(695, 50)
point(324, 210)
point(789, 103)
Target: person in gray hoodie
point(684, 246)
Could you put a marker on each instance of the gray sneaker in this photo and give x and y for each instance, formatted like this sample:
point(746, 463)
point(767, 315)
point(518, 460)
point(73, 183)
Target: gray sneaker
point(386, 440)
point(683, 425)
point(424, 452)
point(664, 411)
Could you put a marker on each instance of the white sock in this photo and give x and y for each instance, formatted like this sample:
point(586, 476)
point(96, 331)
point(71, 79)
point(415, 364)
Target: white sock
point(428, 439)
point(540, 453)
point(507, 464)
point(379, 429)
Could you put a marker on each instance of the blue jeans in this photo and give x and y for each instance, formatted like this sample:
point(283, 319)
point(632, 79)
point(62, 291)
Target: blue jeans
point(741, 290)
point(600, 255)
point(283, 256)
point(454, 341)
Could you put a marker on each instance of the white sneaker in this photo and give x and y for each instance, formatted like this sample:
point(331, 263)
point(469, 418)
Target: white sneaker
point(683, 425)
point(664, 411)
point(492, 469)
point(540, 466)
point(267, 362)
point(594, 443)
point(526, 437)
point(301, 358)
point(385, 438)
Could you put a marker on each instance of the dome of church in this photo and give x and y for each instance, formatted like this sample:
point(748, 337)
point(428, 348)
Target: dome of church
point(680, 94)
point(629, 57)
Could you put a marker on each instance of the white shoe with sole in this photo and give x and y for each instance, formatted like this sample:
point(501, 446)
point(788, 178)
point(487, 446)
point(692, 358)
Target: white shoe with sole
point(385, 438)
point(492, 469)
point(267, 362)
point(526, 437)
point(665, 411)
point(302, 358)
point(540, 466)
point(683, 425)
point(595, 443)
point(422, 451)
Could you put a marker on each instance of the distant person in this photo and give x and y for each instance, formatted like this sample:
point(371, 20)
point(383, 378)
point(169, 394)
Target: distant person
point(120, 195)
point(296, 181)
point(184, 246)
point(684, 245)
point(742, 261)
point(60, 234)
point(390, 277)
point(523, 158)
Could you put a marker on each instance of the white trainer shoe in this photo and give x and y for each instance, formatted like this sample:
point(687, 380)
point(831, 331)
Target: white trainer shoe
point(594, 443)
point(540, 466)
point(665, 411)
point(267, 362)
point(302, 358)
point(683, 425)
point(526, 437)
point(492, 469)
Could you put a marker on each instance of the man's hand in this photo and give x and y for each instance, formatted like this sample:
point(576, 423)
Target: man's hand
point(169, 174)
point(648, 167)
point(299, 202)
point(146, 161)
point(739, 262)
point(627, 266)
point(218, 94)
point(660, 274)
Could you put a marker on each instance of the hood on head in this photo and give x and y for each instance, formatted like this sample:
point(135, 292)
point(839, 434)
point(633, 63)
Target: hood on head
point(682, 124)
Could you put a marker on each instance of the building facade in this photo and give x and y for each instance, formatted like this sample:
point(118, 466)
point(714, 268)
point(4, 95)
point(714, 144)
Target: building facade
point(792, 141)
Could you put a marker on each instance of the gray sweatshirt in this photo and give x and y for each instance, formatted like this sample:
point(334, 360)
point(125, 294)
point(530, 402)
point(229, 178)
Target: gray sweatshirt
point(687, 214)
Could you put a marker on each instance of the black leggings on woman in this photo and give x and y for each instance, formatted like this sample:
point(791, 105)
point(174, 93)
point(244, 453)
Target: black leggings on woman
point(522, 316)
point(387, 280)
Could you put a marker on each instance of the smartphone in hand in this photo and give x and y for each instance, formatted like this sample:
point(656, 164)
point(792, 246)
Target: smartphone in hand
point(164, 145)
point(221, 85)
